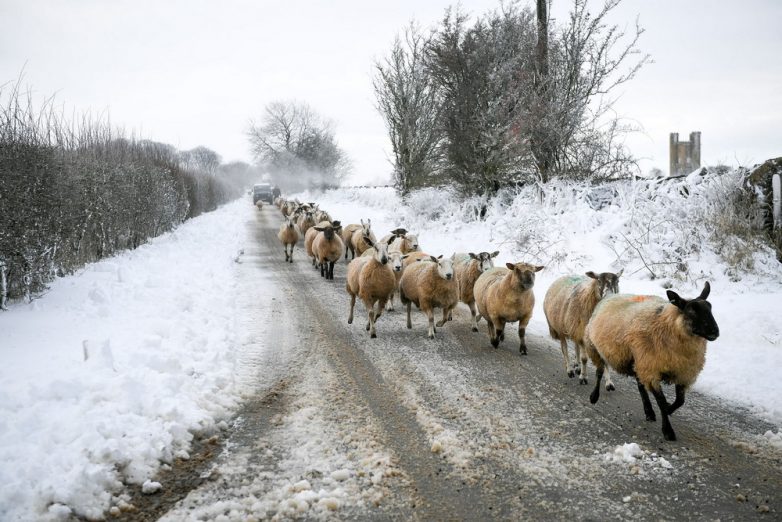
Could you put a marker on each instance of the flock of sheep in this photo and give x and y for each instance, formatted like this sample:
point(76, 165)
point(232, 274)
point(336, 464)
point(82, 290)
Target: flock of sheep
point(653, 339)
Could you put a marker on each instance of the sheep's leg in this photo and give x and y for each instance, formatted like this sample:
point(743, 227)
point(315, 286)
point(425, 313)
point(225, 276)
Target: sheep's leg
point(566, 356)
point(668, 432)
point(331, 269)
point(381, 305)
point(600, 367)
point(522, 340)
point(609, 383)
point(430, 315)
point(446, 315)
point(648, 411)
point(581, 356)
point(495, 341)
point(352, 305)
point(371, 322)
point(409, 322)
point(679, 401)
point(473, 313)
point(390, 302)
point(322, 269)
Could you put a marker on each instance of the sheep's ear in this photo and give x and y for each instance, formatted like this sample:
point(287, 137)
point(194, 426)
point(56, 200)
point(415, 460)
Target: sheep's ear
point(440, 256)
point(674, 298)
point(619, 274)
point(539, 268)
point(706, 291)
point(336, 224)
point(399, 231)
point(368, 241)
point(495, 253)
point(362, 222)
point(510, 266)
point(591, 274)
point(393, 238)
point(369, 221)
point(434, 259)
point(405, 256)
point(319, 229)
point(473, 256)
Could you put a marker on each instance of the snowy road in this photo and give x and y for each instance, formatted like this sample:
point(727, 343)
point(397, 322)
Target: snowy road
point(403, 427)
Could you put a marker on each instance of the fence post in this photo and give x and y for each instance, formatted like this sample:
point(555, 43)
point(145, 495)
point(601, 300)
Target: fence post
point(3, 286)
point(777, 201)
point(776, 212)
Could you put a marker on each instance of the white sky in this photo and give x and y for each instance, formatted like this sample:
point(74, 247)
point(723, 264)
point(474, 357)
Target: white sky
point(195, 72)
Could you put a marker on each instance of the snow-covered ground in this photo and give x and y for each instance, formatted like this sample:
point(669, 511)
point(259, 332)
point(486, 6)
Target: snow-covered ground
point(108, 374)
point(560, 229)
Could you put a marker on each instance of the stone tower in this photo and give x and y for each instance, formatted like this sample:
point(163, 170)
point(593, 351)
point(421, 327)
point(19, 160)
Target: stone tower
point(685, 155)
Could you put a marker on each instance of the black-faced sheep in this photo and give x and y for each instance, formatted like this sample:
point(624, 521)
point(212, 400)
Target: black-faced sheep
point(655, 341)
point(568, 305)
point(504, 295)
point(327, 247)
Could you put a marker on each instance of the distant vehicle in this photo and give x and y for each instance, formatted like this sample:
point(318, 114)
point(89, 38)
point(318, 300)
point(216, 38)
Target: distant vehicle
point(276, 191)
point(262, 191)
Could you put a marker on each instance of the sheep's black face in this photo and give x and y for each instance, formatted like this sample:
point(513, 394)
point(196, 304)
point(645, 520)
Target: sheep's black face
point(700, 320)
point(609, 284)
point(329, 233)
point(526, 279)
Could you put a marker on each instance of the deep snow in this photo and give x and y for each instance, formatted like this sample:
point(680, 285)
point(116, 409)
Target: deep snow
point(156, 328)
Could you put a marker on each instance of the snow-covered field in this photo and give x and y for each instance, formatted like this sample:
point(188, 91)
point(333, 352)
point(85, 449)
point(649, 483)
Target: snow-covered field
point(560, 229)
point(108, 374)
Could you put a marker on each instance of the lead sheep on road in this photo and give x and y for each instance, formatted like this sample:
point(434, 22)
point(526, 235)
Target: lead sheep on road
point(504, 295)
point(654, 340)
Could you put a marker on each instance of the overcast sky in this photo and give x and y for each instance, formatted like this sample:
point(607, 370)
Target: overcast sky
point(195, 72)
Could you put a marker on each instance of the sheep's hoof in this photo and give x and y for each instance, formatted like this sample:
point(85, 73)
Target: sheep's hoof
point(474, 328)
point(669, 434)
point(373, 336)
point(571, 373)
point(409, 326)
point(501, 336)
point(583, 380)
point(610, 386)
point(651, 417)
point(430, 336)
point(366, 328)
point(350, 321)
point(495, 342)
point(594, 396)
point(523, 350)
point(440, 323)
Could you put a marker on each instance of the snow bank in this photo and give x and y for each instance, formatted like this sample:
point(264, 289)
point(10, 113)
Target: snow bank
point(112, 370)
point(684, 232)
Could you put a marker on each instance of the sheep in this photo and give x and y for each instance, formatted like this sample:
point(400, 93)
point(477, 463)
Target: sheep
point(358, 242)
point(327, 247)
point(504, 295)
point(306, 221)
point(309, 237)
point(347, 234)
point(654, 340)
point(321, 215)
point(259, 204)
point(372, 280)
point(408, 244)
point(288, 235)
point(468, 267)
point(429, 284)
point(568, 305)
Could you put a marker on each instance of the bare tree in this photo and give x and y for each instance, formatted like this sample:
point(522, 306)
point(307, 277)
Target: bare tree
point(407, 99)
point(298, 147)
